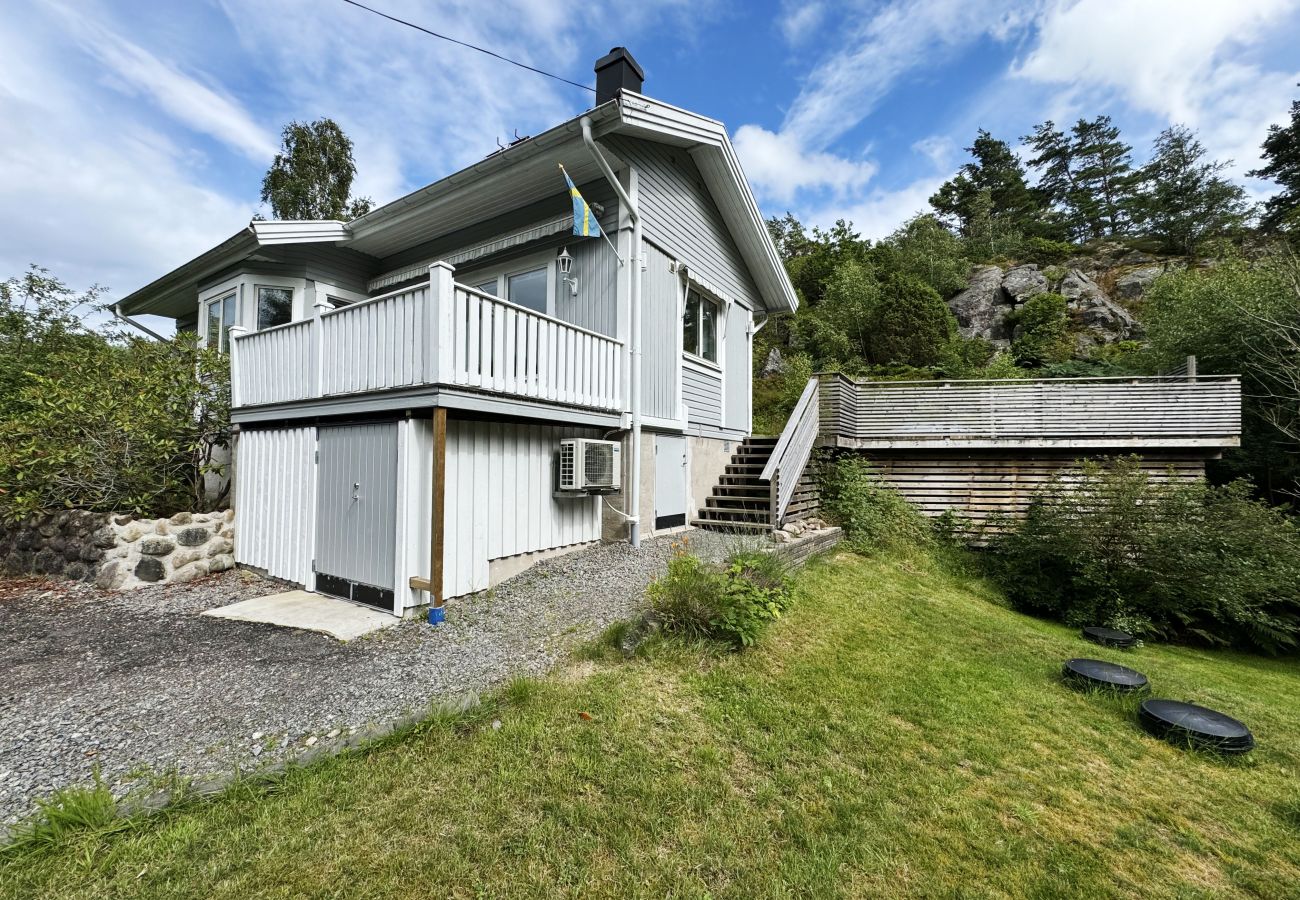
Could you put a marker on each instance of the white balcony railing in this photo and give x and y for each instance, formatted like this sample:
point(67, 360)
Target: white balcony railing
point(436, 333)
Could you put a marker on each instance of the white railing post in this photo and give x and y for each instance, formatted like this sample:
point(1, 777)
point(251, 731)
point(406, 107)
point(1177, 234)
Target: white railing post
point(318, 346)
point(232, 335)
point(442, 303)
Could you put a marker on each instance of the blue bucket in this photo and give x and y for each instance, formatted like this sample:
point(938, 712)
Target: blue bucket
point(437, 614)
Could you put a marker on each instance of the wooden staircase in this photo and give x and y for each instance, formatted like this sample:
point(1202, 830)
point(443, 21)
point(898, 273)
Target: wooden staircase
point(740, 502)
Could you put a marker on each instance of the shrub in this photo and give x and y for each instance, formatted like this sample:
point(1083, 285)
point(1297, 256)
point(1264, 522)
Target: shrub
point(1042, 331)
point(1114, 546)
point(910, 324)
point(872, 513)
point(1046, 252)
point(775, 396)
point(131, 427)
point(732, 604)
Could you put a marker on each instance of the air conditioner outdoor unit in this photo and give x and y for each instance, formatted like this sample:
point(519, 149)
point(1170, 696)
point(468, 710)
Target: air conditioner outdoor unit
point(589, 467)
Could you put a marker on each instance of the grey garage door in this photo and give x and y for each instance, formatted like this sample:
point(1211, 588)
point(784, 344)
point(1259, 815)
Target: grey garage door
point(356, 503)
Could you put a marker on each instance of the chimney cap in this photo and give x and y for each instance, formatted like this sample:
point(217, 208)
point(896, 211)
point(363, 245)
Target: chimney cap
point(617, 55)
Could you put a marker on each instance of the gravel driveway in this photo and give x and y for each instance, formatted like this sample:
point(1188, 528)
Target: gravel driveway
point(140, 685)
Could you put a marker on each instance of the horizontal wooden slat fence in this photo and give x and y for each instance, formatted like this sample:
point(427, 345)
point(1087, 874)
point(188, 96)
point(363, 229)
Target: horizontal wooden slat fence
point(1084, 413)
point(434, 333)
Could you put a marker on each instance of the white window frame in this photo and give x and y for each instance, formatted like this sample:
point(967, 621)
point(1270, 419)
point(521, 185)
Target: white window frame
point(295, 300)
point(719, 321)
point(220, 292)
point(543, 259)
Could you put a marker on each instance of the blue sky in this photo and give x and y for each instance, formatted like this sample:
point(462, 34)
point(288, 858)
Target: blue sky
point(137, 133)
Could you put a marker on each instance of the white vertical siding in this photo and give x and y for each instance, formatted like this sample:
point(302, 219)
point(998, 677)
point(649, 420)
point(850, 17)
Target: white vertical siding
point(661, 342)
point(414, 493)
point(736, 363)
point(499, 503)
point(702, 391)
point(275, 497)
point(596, 267)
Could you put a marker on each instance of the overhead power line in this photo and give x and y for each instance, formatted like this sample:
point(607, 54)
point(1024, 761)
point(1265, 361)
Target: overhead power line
point(467, 44)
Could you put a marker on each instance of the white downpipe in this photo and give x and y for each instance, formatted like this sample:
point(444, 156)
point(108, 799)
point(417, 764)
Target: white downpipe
point(634, 339)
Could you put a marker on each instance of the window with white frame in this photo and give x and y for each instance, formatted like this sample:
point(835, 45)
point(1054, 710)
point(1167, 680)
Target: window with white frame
point(700, 326)
point(221, 317)
point(274, 306)
point(528, 282)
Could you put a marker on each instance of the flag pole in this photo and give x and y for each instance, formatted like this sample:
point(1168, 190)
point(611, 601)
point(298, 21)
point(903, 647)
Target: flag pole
point(603, 232)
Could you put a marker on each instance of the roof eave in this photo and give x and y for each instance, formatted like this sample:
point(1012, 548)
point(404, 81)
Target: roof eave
point(151, 298)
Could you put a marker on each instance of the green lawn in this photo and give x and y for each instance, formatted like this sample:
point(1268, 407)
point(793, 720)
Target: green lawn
point(900, 732)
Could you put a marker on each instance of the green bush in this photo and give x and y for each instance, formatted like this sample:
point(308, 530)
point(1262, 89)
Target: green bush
point(1047, 252)
point(732, 603)
point(909, 325)
point(775, 396)
point(1178, 561)
point(872, 513)
point(1042, 331)
point(134, 427)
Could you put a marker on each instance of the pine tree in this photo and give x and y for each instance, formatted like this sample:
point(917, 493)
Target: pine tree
point(1186, 199)
point(1105, 185)
point(989, 194)
point(1282, 152)
point(1054, 160)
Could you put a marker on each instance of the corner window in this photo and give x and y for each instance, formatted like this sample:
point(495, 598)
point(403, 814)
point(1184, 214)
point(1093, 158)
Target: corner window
point(528, 289)
point(700, 327)
point(221, 317)
point(274, 306)
point(487, 287)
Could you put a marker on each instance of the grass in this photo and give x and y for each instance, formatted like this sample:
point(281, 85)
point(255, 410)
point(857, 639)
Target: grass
point(900, 732)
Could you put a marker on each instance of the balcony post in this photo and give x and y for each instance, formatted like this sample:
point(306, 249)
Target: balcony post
point(318, 345)
point(233, 333)
point(442, 302)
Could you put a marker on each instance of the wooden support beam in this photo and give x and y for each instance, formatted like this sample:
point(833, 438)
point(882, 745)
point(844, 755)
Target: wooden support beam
point(433, 584)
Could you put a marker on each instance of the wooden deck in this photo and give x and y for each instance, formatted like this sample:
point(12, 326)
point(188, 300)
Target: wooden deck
point(1075, 413)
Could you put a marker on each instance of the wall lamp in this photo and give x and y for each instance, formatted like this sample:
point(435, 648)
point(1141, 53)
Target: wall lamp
point(566, 268)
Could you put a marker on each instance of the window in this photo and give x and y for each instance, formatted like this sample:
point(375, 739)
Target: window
point(528, 289)
point(221, 316)
point(487, 287)
point(274, 306)
point(700, 327)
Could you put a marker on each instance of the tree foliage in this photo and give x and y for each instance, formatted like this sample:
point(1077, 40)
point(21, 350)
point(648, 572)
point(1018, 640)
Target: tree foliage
point(99, 421)
point(1281, 149)
point(1185, 196)
point(1042, 331)
point(989, 200)
point(311, 177)
point(909, 325)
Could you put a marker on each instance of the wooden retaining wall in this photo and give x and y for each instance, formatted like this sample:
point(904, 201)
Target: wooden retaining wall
point(981, 485)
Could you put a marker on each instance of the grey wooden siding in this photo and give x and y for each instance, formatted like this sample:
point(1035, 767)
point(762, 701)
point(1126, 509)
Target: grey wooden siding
point(736, 363)
point(661, 350)
point(983, 485)
point(702, 392)
point(679, 215)
point(596, 306)
point(338, 266)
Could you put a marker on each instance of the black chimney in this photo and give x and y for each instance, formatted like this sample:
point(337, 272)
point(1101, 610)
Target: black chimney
point(617, 71)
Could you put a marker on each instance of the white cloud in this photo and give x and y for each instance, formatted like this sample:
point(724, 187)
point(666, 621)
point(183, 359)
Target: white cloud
point(1183, 61)
point(198, 106)
point(779, 168)
point(877, 213)
point(799, 20)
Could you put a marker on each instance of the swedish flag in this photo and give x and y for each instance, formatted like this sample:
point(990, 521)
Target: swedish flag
point(584, 220)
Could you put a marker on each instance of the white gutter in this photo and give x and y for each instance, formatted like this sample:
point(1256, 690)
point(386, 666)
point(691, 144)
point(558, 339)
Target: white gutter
point(130, 321)
point(634, 339)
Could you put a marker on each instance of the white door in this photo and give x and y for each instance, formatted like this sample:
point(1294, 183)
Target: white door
point(670, 481)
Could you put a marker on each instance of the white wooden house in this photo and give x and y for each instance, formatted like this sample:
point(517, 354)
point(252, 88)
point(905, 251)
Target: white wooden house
point(402, 382)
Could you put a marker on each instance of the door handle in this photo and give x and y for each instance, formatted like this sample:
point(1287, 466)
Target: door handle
point(356, 490)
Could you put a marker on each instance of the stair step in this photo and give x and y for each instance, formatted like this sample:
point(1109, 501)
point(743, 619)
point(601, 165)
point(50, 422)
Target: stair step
point(724, 501)
point(714, 514)
point(748, 527)
point(743, 490)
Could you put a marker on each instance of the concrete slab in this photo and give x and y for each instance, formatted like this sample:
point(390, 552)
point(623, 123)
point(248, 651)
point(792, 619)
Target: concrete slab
point(310, 612)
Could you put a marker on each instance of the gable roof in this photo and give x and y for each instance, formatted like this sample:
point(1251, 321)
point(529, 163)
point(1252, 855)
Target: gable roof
point(520, 174)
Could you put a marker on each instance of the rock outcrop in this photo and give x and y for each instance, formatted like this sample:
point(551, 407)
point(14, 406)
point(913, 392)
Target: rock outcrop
point(985, 308)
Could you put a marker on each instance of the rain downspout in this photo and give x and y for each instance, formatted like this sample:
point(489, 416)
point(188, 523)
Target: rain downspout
point(118, 314)
point(634, 339)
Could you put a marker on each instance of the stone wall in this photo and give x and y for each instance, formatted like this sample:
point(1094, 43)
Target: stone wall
point(119, 552)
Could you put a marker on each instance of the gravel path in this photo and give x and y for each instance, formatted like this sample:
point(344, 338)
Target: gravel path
point(140, 685)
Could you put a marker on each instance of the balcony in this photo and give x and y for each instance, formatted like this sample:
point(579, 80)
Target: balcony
point(434, 334)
